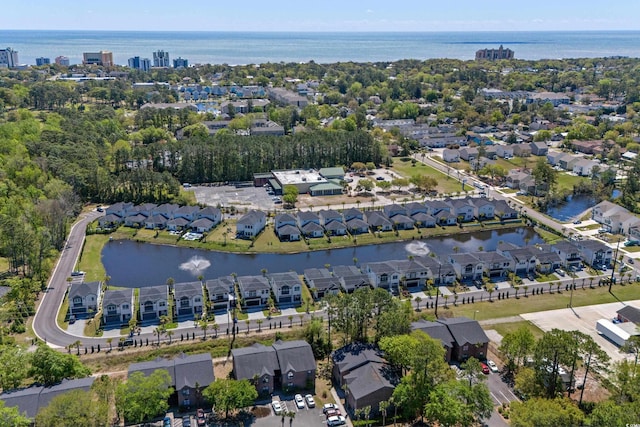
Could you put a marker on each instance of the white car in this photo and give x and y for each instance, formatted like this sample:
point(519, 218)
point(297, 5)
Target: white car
point(336, 421)
point(299, 401)
point(328, 407)
point(277, 407)
point(492, 366)
point(310, 402)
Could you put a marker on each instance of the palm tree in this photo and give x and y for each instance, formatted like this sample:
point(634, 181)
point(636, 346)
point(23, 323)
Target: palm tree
point(551, 286)
point(204, 325)
point(290, 317)
point(382, 406)
point(591, 279)
point(558, 286)
point(157, 332)
point(259, 322)
point(455, 299)
point(446, 297)
point(247, 322)
point(215, 327)
point(291, 415)
point(526, 288)
point(109, 341)
point(170, 334)
point(301, 316)
point(418, 301)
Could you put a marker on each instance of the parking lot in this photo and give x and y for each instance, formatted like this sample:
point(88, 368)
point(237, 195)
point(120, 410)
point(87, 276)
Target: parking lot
point(229, 195)
point(304, 416)
point(582, 319)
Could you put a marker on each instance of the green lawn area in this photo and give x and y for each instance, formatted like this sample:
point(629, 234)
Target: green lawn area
point(509, 327)
point(532, 303)
point(589, 227)
point(548, 236)
point(566, 181)
point(90, 261)
point(4, 264)
point(546, 278)
point(445, 184)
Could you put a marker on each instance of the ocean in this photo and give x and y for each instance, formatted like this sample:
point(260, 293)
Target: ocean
point(261, 47)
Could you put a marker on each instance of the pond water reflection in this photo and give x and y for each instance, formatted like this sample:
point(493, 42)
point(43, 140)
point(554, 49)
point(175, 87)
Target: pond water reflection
point(132, 264)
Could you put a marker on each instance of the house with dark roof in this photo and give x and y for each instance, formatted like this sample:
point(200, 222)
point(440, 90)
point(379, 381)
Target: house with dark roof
point(495, 264)
point(352, 213)
point(192, 374)
point(254, 290)
point(402, 222)
point(155, 222)
point(297, 365)
point(286, 287)
point(463, 209)
point(629, 313)
point(412, 272)
point(321, 282)
point(503, 211)
point(110, 221)
point(351, 278)
point(288, 233)
point(209, 212)
point(284, 219)
point(305, 217)
point(392, 210)
point(154, 302)
point(441, 271)
point(120, 209)
point(30, 400)
point(524, 259)
point(357, 226)
point(251, 224)
point(437, 331)
point(189, 375)
point(335, 228)
point(539, 148)
point(84, 298)
point(188, 299)
point(569, 254)
point(383, 275)
point(547, 260)
point(595, 253)
point(137, 220)
point(329, 215)
point(483, 209)
point(435, 207)
point(258, 364)
point(177, 224)
point(220, 291)
point(413, 208)
point(202, 225)
point(312, 230)
point(467, 266)
point(186, 212)
point(165, 209)
point(469, 338)
point(117, 306)
point(368, 376)
point(377, 221)
point(423, 220)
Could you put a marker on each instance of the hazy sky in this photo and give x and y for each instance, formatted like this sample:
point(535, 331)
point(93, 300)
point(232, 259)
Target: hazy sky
point(326, 15)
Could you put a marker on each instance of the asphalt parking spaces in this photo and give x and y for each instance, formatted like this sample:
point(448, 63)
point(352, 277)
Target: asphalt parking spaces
point(582, 319)
point(304, 417)
point(229, 195)
point(500, 391)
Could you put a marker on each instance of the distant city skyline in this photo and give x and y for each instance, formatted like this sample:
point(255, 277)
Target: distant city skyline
point(331, 15)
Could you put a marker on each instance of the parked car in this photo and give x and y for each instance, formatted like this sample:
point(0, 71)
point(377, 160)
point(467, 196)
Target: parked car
point(492, 366)
point(577, 221)
point(380, 178)
point(310, 402)
point(328, 406)
point(201, 419)
point(166, 422)
point(336, 421)
point(186, 421)
point(77, 273)
point(559, 272)
point(277, 407)
point(333, 413)
point(299, 401)
point(485, 368)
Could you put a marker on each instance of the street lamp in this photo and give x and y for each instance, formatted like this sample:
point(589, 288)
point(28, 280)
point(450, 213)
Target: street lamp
point(474, 314)
point(613, 268)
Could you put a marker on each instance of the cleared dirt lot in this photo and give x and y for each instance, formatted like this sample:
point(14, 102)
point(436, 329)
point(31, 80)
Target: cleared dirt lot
point(584, 320)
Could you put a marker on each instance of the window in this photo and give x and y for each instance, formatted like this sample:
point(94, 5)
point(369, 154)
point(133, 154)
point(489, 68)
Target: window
point(196, 299)
point(162, 304)
point(148, 306)
point(296, 289)
point(125, 306)
point(185, 392)
point(290, 375)
point(285, 290)
point(465, 347)
point(77, 301)
point(265, 379)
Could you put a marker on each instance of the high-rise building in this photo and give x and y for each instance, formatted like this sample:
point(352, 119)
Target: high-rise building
point(138, 63)
point(494, 54)
point(42, 61)
point(104, 58)
point(161, 59)
point(62, 60)
point(180, 63)
point(9, 58)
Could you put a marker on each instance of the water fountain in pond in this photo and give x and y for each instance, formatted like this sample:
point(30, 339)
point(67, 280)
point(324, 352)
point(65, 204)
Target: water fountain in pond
point(417, 248)
point(196, 265)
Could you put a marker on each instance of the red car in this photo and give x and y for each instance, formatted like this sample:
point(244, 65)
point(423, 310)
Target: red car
point(200, 417)
point(485, 368)
point(332, 413)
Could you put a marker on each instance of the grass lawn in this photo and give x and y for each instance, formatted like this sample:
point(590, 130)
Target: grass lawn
point(546, 278)
point(532, 303)
point(4, 264)
point(548, 236)
point(567, 181)
point(306, 296)
point(445, 184)
point(62, 314)
point(90, 261)
point(506, 328)
point(589, 227)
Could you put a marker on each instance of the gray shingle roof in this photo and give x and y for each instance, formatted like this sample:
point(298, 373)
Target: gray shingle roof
point(435, 330)
point(117, 297)
point(251, 217)
point(193, 370)
point(254, 360)
point(153, 293)
point(187, 289)
point(84, 289)
point(294, 356)
point(252, 283)
point(465, 331)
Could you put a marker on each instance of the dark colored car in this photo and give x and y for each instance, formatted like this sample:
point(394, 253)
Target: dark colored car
point(200, 417)
point(186, 421)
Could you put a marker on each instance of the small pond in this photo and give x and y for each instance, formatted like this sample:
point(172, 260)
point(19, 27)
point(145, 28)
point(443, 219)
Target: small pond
point(133, 264)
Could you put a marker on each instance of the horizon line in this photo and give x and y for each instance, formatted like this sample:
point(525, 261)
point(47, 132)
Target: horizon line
point(327, 31)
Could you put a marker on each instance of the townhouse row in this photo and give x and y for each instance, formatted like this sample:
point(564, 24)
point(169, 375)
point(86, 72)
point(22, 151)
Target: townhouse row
point(193, 299)
point(431, 213)
point(158, 217)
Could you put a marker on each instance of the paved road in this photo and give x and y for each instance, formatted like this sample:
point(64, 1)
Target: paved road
point(44, 323)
